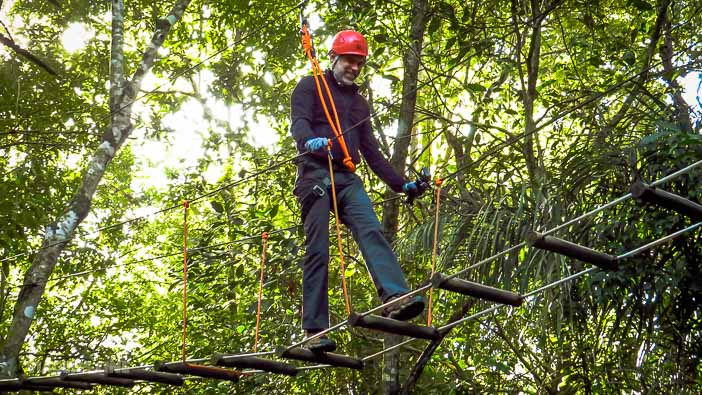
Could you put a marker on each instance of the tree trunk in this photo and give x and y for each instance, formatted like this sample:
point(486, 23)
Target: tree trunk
point(682, 109)
point(463, 155)
point(4, 289)
point(529, 89)
point(59, 233)
point(643, 75)
point(391, 209)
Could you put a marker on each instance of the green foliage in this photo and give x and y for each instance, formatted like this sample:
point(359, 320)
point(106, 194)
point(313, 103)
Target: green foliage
point(116, 294)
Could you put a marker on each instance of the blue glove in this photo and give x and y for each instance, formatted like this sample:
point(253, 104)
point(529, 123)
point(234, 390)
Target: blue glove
point(410, 187)
point(316, 143)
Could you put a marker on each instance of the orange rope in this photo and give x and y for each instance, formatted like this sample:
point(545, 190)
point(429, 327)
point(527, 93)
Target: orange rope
point(435, 248)
point(318, 74)
point(186, 204)
point(347, 161)
point(336, 129)
point(338, 239)
point(264, 236)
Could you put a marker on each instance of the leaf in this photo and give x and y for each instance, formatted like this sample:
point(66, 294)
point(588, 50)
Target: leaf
point(448, 11)
point(381, 38)
point(391, 77)
point(434, 25)
point(596, 61)
point(450, 42)
point(641, 5)
point(629, 57)
point(667, 126)
point(503, 367)
point(217, 206)
point(350, 271)
point(476, 87)
point(274, 211)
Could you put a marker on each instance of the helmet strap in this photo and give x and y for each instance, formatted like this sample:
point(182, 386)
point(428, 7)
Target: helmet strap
point(336, 59)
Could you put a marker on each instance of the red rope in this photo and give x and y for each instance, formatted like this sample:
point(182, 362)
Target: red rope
point(435, 248)
point(264, 236)
point(186, 204)
point(347, 300)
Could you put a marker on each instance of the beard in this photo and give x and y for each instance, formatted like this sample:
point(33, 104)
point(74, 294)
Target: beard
point(344, 77)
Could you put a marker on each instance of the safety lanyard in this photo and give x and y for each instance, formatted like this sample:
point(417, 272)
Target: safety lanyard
point(319, 75)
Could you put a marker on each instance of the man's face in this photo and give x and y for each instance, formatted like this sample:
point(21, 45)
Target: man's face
point(347, 68)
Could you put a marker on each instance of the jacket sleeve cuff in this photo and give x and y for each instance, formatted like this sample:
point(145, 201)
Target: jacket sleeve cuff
point(398, 184)
point(301, 131)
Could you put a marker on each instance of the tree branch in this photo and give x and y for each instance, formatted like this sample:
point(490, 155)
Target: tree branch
point(643, 75)
point(8, 42)
point(163, 27)
point(417, 369)
point(5, 27)
point(682, 109)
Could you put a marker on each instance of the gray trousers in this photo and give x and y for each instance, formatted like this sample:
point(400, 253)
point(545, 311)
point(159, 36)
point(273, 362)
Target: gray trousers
point(355, 211)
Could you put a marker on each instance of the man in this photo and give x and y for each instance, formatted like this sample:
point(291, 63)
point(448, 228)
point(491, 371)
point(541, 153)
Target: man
point(312, 133)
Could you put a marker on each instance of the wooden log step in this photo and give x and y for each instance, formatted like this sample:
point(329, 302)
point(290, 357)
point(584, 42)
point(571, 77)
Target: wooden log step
point(394, 326)
point(37, 388)
point(210, 372)
point(244, 362)
point(646, 193)
point(16, 384)
point(563, 247)
point(476, 290)
point(326, 358)
point(13, 385)
point(54, 382)
point(145, 375)
point(97, 378)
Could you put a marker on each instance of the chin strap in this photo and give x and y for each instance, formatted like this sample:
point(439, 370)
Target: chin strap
point(336, 59)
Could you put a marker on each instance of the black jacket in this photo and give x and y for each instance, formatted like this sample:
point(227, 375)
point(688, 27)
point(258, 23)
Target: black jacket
point(308, 121)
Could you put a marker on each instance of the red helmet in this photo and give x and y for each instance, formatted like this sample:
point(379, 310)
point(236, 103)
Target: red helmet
point(349, 42)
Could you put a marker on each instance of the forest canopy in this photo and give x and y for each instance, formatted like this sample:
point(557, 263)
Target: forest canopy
point(537, 116)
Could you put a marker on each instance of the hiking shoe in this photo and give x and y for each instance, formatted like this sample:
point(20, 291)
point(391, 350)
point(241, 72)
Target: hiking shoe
point(321, 344)
point(405, 310)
